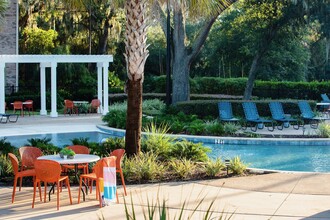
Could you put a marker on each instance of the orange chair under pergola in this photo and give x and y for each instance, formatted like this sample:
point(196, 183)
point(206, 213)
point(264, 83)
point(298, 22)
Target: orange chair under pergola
point(18, 106)
point(94, 106)
point(69, 107)
point(29, 106)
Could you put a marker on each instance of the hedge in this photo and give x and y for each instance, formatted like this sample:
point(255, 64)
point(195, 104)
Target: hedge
point(236, 86)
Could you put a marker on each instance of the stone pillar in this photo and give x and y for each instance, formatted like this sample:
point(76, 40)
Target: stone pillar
point(9, 44)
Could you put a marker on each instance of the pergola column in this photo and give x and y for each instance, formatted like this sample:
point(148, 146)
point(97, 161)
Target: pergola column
point(2, 88)
point(43, 66)
point(99, 86)
point(53, 112)
point(105, 88)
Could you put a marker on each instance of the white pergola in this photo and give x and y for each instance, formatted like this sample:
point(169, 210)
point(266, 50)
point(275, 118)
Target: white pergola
point(51, 61)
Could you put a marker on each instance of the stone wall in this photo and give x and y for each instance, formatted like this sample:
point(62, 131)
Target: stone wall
point(8, 42)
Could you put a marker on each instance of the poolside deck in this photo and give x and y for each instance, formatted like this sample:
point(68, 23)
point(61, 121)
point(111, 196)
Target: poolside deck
point(269, 196)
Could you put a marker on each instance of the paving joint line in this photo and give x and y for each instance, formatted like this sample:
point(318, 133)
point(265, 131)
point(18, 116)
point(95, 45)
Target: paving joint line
point(285, 199)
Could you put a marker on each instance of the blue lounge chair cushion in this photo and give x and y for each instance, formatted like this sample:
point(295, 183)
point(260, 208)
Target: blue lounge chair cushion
point(226, 112)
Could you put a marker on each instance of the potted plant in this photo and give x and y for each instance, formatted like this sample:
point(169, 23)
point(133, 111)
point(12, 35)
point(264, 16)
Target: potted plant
point(67, 153)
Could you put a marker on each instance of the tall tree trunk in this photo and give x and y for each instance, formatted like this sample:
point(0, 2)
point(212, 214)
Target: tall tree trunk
point(136, 54)
point(327, 48)
point(180, 81)
point(103, 38)
point(134, 117)
point(252, 76)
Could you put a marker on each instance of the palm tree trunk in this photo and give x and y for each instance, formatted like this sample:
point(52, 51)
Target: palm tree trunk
point(134, 117)
point(136, 54)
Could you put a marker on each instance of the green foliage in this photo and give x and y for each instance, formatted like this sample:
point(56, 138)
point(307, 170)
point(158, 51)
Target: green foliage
point(109, 145)
point(143, 167)
point(5, 166)
point(230, 128)
point(44, 145)
point(157, 140)
point(81, 141)
point(153, 107)
point(196, 127)
point(115, 84)
point(237, 166)
point(324, 130)
point(183, 168)
point(6, 147)
point(191, 151)
point(38, 41)
point(214, 127)
point(115, 118)
point(159, 210)
point(67, 151)
point(214, 167)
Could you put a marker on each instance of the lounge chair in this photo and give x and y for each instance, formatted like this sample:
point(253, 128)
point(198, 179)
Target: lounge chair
point(308, 115)
point(8, 117)
point(283, 120)
point(226, 112)
point(252, 117)
point(325, 100)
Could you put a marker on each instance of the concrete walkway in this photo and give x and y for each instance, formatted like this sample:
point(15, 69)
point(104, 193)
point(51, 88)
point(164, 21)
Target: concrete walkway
point(270, 196)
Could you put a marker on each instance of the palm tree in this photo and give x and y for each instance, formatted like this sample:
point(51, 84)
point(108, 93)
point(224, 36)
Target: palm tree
point(136, 54)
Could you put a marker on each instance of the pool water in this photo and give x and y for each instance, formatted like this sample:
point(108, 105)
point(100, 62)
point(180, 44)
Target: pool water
point(58, 139)
point(275, 157)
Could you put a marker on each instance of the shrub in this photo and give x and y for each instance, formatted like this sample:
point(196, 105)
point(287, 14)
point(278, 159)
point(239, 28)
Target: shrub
point(5, 166)
point(80, 141)
point(143, 167)
point(230, 128)
point(115, 118)
point(183, 168)
point(214, 128)
point(44, 145)
point(214, 167)
point(6, 147)
point(157, 140)
point(153, 107)
point(190, 151)
point(196, 127)
point(237, 166)
point(324, 130)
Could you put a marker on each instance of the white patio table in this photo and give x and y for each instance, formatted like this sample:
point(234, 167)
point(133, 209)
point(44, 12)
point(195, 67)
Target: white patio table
point(78, 159)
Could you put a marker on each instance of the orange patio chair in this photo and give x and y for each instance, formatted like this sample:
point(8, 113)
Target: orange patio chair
point(94, 106)
point(69, 107)
point(18, 106)
point(29, 107)
point(97, 175)
point(119, 153)
point(19, 174)
point(28, 155)
point(78, 149)
point(49, 171)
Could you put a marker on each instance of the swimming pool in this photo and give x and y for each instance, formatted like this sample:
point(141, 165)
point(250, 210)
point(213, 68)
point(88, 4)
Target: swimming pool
point(277, 156)
point(59, 139)
point(301, 158)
